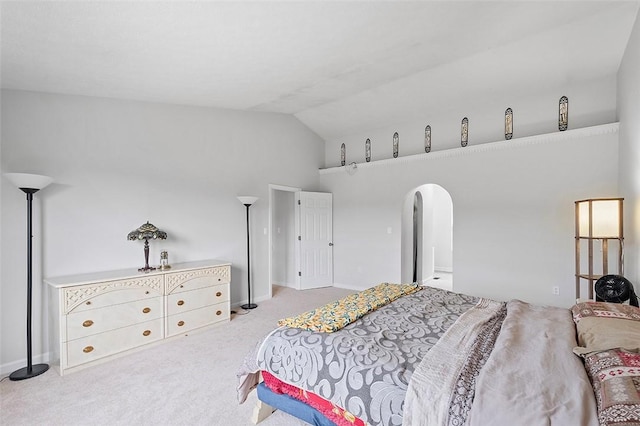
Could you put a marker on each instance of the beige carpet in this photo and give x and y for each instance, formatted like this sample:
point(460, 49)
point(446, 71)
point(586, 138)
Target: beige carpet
point(186, 381)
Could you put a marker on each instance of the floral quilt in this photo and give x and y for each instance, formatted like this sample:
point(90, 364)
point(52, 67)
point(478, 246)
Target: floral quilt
point(335, 315)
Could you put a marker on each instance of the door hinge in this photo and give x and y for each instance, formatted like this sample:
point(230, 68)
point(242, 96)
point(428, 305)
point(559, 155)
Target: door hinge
point(299, 202)
point(299, 238)
point(299, 273)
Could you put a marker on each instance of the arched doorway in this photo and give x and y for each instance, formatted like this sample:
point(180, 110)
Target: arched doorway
point(417, 242)
point(427, 237)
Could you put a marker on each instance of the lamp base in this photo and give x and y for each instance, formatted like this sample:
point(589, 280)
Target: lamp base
point(146, 269)
point(249, 306)
point(24, 373)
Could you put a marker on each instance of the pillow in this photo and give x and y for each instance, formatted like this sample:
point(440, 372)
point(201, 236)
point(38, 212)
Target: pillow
point(601, 326)
point(615, 376)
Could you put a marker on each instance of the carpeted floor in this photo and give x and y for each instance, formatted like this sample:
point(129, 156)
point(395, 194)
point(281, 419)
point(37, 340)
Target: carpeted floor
point(190, 380)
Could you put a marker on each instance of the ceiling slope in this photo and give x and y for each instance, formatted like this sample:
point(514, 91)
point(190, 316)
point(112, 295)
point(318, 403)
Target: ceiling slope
point(338, 66)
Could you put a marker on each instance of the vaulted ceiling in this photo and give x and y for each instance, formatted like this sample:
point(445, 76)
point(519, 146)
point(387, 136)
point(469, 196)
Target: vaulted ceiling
point(338, 66)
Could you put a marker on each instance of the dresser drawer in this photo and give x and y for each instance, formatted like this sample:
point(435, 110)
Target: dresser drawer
point(190, 280)
point(109, 293)
point(90, 348)
point(185, 321)
point(94, 321)
point(190, 300)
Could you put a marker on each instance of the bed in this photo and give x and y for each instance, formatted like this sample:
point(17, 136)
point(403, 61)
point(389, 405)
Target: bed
point(435, 357)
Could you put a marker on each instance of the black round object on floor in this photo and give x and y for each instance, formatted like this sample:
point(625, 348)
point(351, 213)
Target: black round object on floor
point(24, 373)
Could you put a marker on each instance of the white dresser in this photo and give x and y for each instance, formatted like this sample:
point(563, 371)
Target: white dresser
point(94, 317)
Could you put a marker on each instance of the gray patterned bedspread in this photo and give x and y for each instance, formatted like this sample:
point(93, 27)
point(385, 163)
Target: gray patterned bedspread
point(364, 368)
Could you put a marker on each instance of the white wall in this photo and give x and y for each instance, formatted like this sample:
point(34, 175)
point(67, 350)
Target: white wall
point(629, 172)
point(117, 164)
point(512, 210)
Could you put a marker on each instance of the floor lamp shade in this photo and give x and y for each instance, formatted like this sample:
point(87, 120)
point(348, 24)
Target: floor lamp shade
point(29, 184)
point(28, 181)
point(248, 201)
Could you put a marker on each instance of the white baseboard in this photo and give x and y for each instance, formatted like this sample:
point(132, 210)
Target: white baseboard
point(426, 280)
point(348, 287)
point(290, 285)
point(256, 300)
point(10, 367)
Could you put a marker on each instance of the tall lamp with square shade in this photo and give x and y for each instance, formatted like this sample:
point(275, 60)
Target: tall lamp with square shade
point(29, 184)
point(248, 201)
point(598, 219)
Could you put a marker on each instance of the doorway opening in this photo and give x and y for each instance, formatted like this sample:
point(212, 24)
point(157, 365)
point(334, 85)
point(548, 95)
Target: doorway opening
point(300, 238)
point(427, 237)
point(282, 237)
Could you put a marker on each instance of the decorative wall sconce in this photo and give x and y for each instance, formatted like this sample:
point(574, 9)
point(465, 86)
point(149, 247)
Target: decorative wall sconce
point(427, 138)
point(598, 219)
point(367, 150)
point(396, 144)
point(563, 113)
point(464, 132)
point(508, 124)
point(343, 154)
point(146, 232)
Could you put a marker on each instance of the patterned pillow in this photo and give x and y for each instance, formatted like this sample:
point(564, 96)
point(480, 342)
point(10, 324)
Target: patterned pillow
point(602, 326)
point(615, 376)
point(604, 310)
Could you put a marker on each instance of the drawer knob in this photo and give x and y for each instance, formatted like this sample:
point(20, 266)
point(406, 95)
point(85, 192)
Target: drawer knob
point(146, 310)
point(87, 323)
point(88, 302)
point(180, 302)
point(87, 349)
point(219, 313)
point(181, 286)
point(146, 292)
point(180, 323)
point(219, 279)
point(146, 332)
point(218, 294)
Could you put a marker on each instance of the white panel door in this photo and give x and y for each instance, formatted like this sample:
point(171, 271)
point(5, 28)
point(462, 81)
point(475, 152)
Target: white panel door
point(315, 239)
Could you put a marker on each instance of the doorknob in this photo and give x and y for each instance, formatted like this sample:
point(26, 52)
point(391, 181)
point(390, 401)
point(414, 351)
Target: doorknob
point(330, 244)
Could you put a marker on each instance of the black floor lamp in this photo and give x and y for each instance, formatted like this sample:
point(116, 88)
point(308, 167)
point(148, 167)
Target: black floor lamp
point(248, 201)
point(29, 184)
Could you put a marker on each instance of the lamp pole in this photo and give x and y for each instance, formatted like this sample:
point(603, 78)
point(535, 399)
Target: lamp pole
point(248, 201)
point(29, 184)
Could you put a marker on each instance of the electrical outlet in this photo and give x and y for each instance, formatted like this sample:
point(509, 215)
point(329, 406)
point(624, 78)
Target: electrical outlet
point(556, 290)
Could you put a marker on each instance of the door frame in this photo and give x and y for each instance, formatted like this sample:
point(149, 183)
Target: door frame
point(272, 188)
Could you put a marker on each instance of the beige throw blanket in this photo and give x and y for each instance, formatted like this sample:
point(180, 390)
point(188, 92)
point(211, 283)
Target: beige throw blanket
point(532, 376)
point(431, 394)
